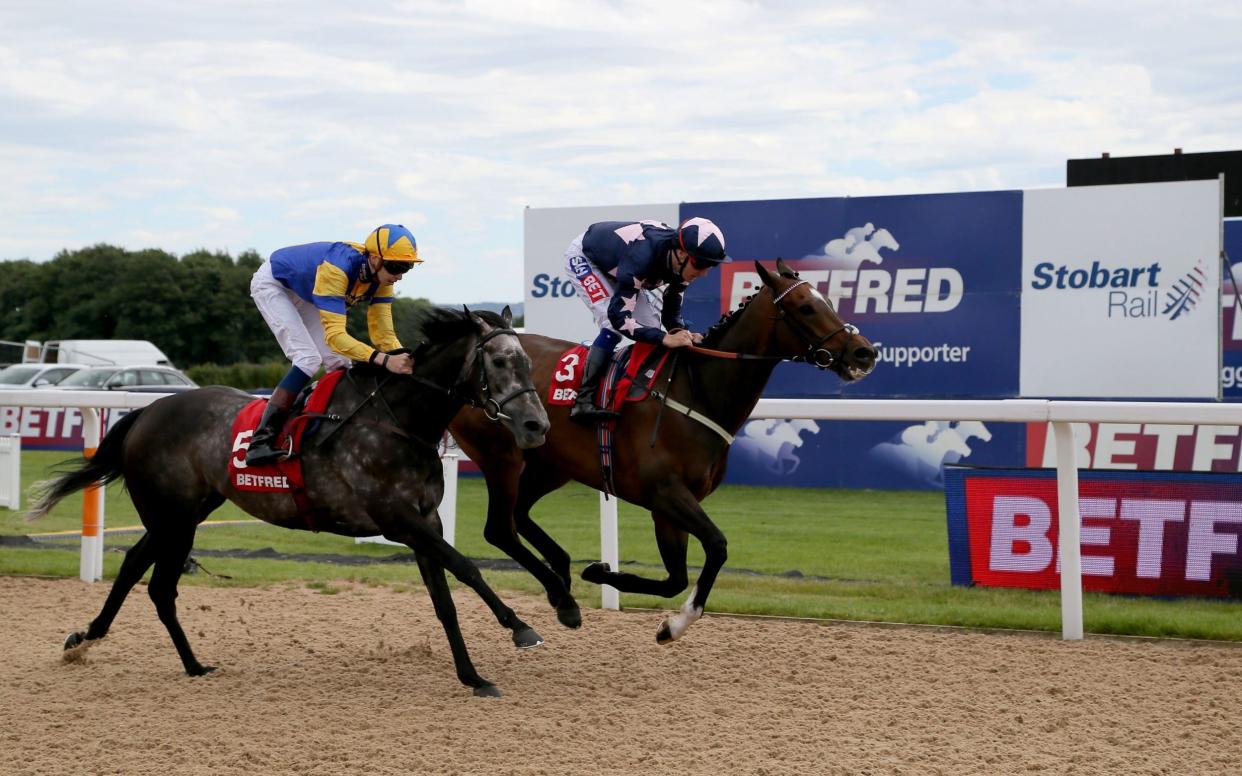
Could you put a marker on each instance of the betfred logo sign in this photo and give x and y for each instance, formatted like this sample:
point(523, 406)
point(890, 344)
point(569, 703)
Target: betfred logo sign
point(1148, 533)
point(1142, 446)
point(51, 428)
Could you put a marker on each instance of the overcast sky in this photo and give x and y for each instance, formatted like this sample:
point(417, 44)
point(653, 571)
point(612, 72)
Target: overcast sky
point(252, 125)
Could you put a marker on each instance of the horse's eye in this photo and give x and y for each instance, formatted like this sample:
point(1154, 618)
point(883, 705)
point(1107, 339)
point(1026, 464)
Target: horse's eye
point(806, 309)
point(499, 362)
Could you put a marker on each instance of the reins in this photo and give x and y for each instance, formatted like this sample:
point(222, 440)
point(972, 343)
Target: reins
point(816, 355)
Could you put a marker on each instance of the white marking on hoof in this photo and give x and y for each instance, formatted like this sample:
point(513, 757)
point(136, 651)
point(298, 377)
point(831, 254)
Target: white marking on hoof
point(679, 623)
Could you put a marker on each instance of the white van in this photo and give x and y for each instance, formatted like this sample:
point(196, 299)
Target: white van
point(103, 352)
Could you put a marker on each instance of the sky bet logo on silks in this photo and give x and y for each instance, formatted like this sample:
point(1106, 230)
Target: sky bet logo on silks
point(1132, 292)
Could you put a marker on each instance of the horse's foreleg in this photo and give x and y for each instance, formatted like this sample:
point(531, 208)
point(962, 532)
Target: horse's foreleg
point(677, 507)
point(508, 514)
point(684, 510)
point(446, 612)
point(171, 553)
point(432, 545)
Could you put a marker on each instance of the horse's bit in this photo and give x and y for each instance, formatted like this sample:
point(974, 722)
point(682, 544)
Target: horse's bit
point(816, 354)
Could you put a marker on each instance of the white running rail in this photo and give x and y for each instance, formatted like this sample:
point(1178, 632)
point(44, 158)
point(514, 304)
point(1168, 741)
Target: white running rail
point(1059, 413)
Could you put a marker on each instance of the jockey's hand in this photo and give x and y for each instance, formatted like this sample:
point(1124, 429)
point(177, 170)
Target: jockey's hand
point(698, 338)
point(678, 339)
point(400, 363)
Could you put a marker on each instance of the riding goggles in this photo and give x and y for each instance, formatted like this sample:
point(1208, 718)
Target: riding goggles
point(397, 267)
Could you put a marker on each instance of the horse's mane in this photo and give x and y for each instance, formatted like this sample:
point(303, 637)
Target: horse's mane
point(441, 325)
point(435, 326)
point(722, 326)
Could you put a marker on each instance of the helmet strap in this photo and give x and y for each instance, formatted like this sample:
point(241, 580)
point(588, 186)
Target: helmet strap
point(680, 265)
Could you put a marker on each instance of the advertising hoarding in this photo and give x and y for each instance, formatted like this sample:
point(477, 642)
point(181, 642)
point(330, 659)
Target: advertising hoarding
point(51, 428)
point(1143, 533)
point(1119, 291)
point(919, 275)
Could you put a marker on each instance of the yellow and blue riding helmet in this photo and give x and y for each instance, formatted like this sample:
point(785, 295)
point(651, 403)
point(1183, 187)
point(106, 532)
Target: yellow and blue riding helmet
point(395, 246)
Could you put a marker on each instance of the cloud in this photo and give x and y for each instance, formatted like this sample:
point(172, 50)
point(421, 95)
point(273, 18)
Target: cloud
point(257, 126)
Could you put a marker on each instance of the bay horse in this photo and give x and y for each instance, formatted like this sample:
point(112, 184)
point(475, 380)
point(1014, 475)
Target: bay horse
point(371, 467)
point(666, 462)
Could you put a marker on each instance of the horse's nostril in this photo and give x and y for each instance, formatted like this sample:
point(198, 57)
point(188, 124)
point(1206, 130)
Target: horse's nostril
point(865, 355)
point(535, 427)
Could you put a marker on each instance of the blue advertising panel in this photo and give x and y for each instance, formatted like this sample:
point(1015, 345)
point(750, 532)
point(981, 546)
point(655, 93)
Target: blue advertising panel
point(861, 454)
point(1231, 321)
point(933, 280)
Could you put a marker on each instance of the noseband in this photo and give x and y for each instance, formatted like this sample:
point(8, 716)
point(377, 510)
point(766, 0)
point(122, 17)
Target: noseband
point(816, 354)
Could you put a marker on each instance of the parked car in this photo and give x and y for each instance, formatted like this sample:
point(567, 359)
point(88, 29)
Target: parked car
point(18, 376)
point(143, 378)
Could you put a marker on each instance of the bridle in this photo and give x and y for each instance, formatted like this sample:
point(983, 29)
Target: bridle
point(492, 408)
point(482, 398)
point(816, 354)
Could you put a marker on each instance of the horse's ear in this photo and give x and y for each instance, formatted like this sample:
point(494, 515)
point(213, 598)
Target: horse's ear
point(506, 315)
point(764, 275)
point(784, 269)
point(478, 322)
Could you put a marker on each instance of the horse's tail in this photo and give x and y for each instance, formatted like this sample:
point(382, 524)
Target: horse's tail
point(74, 475)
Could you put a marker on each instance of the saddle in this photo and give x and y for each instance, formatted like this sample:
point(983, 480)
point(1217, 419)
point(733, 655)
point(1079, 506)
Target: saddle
point(285, 475)
point(630, 377)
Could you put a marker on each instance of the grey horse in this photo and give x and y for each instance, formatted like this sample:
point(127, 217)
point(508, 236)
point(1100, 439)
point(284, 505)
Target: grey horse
point(371, 467)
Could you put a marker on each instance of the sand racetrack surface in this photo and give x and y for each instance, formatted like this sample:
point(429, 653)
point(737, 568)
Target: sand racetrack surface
point(361, 682)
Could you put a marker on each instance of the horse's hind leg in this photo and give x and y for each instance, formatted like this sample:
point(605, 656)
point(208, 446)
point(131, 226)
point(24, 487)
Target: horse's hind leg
point(672, 544)
point(137, 560)
point(442, 600)
point(173, 549)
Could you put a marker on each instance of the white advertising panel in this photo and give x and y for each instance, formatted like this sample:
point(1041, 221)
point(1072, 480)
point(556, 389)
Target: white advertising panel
point(551, 307)
point(1121, 291)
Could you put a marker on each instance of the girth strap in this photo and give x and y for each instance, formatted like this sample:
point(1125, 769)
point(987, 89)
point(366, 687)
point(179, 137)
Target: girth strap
point(694, 414)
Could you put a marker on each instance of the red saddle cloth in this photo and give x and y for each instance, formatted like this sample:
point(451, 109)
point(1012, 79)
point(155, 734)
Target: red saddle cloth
point(284, 476)
point(616, 388)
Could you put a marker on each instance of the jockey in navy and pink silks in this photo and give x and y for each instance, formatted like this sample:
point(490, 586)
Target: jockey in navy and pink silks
point(304, 293)
point(614, 265)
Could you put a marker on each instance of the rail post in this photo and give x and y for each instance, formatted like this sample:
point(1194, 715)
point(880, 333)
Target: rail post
point(1069, 541)
point(609, 548)
point(90, 566)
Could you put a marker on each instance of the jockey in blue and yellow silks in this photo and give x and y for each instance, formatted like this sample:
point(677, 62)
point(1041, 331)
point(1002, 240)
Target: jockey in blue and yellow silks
point(304, 293)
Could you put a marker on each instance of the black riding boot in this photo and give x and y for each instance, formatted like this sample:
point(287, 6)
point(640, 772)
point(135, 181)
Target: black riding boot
point(585, 409)
point(274, 415)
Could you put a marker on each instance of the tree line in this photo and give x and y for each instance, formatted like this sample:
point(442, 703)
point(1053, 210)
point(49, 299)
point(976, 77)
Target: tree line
point(196, 308)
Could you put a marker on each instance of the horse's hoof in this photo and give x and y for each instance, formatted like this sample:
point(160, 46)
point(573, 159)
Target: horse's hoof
point(569, 616)
point(74, 639)
point(665, 634)
point(487, 691)
point(596, 572)
point(527, 638)
point(200, 670)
